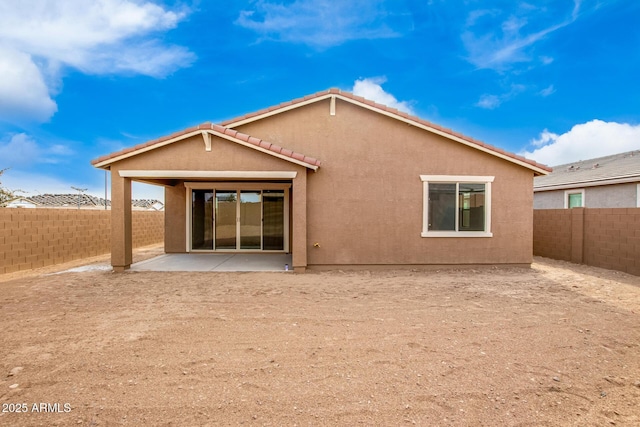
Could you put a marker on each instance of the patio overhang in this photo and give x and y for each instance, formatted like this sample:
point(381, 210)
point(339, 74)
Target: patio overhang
point(172, 177)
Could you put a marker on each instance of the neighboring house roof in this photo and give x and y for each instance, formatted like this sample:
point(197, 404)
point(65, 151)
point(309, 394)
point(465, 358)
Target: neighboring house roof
point(19, 202)
point(614, 169)
point(148, 204)
point(64, 200)
point(225, 130)
point(86, 201)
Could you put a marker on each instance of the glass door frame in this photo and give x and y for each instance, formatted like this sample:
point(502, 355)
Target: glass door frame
point(237, 186)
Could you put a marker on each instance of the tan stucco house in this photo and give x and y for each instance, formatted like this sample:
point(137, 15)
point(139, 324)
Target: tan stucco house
point(336, 180)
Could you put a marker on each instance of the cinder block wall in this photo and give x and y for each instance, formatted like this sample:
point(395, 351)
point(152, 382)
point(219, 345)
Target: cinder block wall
point(148, 228)
point(32, 238)
point(608, 238)
point(552, 233)
point(612, 239)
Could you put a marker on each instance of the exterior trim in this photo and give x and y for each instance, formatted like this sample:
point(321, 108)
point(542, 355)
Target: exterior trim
point(207, 174)
point(426, 179)
point(457, 178)
point(638, 195)
point(236, 185)
point(462, 234)
point(575, 191)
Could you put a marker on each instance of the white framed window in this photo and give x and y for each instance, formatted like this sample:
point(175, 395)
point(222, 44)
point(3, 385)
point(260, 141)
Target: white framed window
point(574, 199)
point(638, 195)
point(456, 206)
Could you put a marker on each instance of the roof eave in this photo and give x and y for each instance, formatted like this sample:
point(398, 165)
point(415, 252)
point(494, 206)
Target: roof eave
point(107, 162)
point(588, 183)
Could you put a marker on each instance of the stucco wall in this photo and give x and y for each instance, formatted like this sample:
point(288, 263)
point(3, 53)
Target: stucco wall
point(605, 196)
point(365, 202)
point(611, 196)
point(31, 238)
point(548, 200)
point(364, 205)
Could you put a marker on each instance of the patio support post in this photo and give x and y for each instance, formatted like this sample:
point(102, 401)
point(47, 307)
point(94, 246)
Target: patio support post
point(121, 235)
point(299, 249)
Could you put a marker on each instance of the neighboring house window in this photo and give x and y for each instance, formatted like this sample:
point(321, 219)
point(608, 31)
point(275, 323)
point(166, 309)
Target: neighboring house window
point(456, 206)
point(638, 195)
point(573, 199)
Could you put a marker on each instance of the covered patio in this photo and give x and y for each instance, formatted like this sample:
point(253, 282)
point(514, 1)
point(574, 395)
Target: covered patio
point(220, 197)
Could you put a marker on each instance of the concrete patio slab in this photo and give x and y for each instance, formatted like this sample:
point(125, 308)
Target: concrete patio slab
point(215, 262)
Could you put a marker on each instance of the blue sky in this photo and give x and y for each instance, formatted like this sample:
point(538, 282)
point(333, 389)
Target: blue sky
point(557, 81)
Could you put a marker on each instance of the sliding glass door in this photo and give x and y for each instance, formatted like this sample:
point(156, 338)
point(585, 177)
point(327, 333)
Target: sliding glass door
point(250, 219)
point(225, 220)
point(238, 219)
point(273, 220)
point(201, 223)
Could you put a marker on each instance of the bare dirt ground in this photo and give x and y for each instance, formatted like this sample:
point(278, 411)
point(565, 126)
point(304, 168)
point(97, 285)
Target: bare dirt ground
point(553, 345)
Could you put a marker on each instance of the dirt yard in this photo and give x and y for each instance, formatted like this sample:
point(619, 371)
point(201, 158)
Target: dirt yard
point(557, 344)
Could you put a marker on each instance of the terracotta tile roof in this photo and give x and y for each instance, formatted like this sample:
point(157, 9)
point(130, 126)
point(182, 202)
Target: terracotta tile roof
point(233, 134)
point(225, 128)
point(385, 109)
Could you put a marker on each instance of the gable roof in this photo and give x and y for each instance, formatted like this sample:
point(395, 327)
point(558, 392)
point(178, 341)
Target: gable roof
point(613, 169)
point(207, 129)
point(225, 130)
point(333, 94)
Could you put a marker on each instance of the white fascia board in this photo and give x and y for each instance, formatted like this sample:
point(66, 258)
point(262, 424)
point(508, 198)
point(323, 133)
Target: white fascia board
point(184, 174)
point(456, 178)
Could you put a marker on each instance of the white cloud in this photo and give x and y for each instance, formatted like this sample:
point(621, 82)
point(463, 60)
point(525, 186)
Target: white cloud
point(18, 150)
point(490, 48)
point(546, 60)
point(318, 23)
point(22, 149)
point(23, 91)
point(545, 138)
point(39, 38)
point(491, 102)
point(370, 88)
point(547, 91)
point(584, 141)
